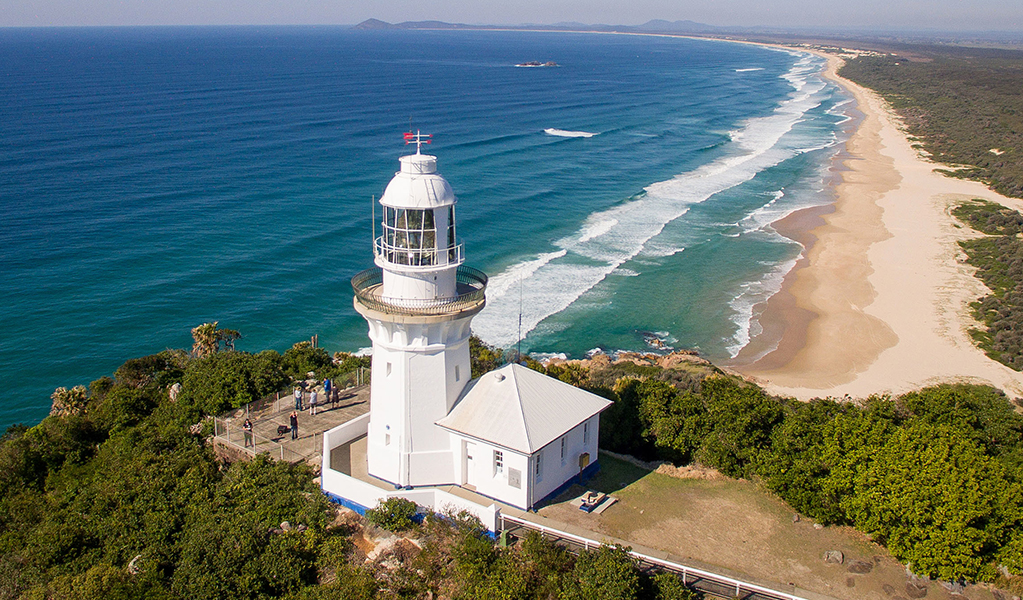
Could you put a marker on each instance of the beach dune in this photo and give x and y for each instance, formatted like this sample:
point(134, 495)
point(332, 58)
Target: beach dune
point(879, 302)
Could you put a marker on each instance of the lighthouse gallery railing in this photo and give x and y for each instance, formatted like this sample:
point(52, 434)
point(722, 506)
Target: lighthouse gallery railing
point(471, 286)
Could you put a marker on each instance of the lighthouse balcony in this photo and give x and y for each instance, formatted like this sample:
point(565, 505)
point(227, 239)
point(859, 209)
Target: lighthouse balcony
point(470, 294)
point(410, 253)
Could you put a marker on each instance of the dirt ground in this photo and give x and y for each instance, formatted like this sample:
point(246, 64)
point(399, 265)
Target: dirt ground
point(737, 525)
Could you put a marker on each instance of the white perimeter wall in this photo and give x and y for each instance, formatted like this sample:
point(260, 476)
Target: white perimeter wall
point(369, 495)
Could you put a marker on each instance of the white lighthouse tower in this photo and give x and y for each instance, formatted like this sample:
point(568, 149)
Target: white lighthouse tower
point(418, 303)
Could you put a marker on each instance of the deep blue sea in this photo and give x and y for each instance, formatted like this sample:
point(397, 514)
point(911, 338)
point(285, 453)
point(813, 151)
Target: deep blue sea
point(152, 179)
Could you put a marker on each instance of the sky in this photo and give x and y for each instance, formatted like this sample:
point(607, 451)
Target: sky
point(882, 15)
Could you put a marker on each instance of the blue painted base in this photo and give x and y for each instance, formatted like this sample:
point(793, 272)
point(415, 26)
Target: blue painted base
point(345, 502)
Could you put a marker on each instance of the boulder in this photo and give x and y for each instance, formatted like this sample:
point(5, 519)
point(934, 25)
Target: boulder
point(860, 566)
point(834, 557)
point(915, 590)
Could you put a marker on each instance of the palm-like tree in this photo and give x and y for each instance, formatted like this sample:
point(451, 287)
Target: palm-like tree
point(68, 402)
point(208, 338)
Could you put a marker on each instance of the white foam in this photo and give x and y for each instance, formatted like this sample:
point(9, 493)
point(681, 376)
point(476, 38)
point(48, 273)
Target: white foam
point(595, 229)
point(555, 280)
point(748, 70)
point(543, 357)
point(364, 352)
point(571, 134)
point(625, 272)
point(498, 285)
point(750, 295)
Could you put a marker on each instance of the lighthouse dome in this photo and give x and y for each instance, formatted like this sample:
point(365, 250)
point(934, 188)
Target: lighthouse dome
point(418, 185)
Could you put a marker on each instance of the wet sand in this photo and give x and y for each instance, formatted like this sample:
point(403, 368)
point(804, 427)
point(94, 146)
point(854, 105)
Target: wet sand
point(878, 303)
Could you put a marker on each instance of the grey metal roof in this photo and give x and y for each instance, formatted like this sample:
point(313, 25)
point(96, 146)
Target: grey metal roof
point(520, 409)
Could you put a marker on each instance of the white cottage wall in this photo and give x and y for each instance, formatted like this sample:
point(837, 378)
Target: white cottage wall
point(555, 470)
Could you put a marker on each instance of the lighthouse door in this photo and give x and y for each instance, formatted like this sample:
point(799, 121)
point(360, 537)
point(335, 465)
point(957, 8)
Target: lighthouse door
point(470, 467)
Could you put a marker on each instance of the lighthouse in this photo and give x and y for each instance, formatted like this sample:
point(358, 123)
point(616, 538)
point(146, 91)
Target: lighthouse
point(512, 436)
point(418, 301)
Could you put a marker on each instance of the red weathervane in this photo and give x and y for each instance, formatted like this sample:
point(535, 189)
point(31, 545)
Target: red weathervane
point(418, 139)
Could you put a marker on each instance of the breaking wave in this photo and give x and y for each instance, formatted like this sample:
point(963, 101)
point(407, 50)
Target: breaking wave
point(607, 239)
point(571, 134)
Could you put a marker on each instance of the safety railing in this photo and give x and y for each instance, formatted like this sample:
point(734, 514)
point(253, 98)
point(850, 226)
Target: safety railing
point(700, 579)
point(471, 286)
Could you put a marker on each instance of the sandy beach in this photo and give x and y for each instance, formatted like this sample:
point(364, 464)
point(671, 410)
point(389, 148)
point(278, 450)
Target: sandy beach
point(879, 302)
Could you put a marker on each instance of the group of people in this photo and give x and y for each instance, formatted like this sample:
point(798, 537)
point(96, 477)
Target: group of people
point(330, 394)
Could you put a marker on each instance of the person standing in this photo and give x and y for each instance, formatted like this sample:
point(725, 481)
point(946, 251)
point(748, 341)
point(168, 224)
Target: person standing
point(298, 397)
point(327, 386)
point(312, 402)
point(333, 398)
point(294, 425)
point(247, 430)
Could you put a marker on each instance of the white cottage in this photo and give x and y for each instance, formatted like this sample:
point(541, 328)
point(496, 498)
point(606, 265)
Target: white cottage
point(520, 435)
point(513, 435)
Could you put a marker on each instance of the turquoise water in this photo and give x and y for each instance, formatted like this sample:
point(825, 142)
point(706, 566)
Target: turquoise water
point(154, 179)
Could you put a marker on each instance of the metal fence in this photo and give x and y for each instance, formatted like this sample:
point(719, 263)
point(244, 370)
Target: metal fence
point(713, 584)
point(274, 408)
point(231, 434)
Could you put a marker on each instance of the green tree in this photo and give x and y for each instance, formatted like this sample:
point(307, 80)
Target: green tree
point(742, 417)
point(483, 357)
point(936, 501)
point(224, 380)
point(302, 358)
point(795, 465)
point(608, 573)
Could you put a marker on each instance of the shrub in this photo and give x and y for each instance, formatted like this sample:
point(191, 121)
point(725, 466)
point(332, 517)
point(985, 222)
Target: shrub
point(393, 514)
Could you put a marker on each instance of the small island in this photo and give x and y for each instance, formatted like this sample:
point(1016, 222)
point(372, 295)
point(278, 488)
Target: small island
point(536, 63)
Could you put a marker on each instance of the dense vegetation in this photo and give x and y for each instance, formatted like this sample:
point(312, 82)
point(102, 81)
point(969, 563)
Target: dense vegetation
point(117, 495)
point(934, 475)
point(998, 258)
point(963, 103)
point(454, 559)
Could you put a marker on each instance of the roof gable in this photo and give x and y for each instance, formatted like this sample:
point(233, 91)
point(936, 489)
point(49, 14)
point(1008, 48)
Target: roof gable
point(520, 409)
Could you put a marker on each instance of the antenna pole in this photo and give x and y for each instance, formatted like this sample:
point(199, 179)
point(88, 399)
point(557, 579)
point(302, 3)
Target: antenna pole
point(518, 351)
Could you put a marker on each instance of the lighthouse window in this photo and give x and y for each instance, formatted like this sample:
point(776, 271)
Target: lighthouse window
point(410, 237)
point(498, 462)
point(452, 251)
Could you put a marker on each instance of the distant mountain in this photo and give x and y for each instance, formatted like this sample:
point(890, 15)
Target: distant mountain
point(662, 26)
point(374, 24)
point(433, 25)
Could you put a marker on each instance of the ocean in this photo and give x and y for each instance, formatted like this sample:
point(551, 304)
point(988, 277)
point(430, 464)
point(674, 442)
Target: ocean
point(152, 179)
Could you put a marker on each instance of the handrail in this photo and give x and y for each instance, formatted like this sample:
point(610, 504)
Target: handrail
point(666, 564)
point(416, 257)
point(366, 285)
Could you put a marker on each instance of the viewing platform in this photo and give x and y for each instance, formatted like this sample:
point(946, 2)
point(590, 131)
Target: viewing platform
point(470, 295)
